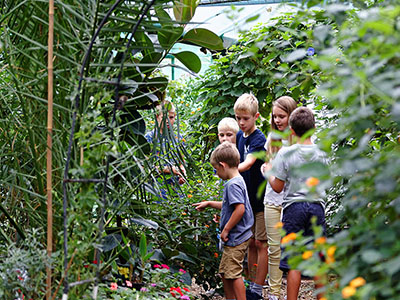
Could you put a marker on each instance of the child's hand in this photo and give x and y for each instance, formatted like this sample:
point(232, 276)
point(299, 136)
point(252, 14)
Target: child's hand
point(266, 167)
point(200, 206)
point(224, 235)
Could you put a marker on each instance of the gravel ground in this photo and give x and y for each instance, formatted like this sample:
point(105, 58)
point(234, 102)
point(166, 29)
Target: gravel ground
point(305, 293)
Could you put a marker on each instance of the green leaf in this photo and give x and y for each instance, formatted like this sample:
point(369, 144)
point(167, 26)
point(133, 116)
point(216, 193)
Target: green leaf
point(163, 16)
point(150, 62)
point(143, 246)
point(205, 38)
point(168, 35)
point(184, 10)
point(183, 256)
point(189, 59)
point(371, 256)
point(296, 55)
point(144, 42)
point(253, 18)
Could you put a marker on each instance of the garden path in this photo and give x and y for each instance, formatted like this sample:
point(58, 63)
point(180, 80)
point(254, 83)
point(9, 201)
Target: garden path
point(305, 293)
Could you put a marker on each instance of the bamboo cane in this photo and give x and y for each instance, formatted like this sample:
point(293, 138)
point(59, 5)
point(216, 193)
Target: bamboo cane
point(49, 146)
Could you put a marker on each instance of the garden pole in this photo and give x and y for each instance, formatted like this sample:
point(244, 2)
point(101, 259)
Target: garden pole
point(49, 146)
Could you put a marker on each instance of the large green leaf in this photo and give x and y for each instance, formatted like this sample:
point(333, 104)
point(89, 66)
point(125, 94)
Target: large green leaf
point(163, 16)
point(189, 59)
point(205, 38)
point(144, 43)
point(150, 62)
point(184, 10)
point(168, 35)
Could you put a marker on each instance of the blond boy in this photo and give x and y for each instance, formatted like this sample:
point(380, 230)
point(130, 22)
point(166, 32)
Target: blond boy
point(250, 140)
point(227, 130)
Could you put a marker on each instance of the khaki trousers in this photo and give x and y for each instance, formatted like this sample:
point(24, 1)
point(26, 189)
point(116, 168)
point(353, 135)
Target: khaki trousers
point(272, 217)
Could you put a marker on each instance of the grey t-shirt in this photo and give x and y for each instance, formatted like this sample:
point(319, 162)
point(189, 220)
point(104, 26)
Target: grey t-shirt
point(287, 160)
point(235, 192)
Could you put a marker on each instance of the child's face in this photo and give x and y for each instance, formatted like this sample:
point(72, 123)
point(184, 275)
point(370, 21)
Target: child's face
point(246, 121)
point(281, 118)
point(171, 117)
point(221, 171)
point(226, 135)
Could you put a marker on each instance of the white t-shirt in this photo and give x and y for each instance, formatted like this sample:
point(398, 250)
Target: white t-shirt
point(271, 197)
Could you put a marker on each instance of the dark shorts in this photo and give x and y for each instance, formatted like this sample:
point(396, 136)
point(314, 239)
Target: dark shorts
point(297, 217)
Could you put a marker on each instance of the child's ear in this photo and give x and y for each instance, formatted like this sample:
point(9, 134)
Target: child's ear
point(223, 164)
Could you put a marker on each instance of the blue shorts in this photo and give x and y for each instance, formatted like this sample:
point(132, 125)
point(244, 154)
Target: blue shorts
point(297, 217)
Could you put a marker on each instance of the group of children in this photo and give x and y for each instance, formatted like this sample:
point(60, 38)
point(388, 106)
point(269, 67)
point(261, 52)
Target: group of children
point(249, 218)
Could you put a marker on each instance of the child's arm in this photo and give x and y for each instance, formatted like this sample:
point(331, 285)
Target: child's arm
point(276, 183)
point(237, 214)
point(248, 162)
point(202, 205)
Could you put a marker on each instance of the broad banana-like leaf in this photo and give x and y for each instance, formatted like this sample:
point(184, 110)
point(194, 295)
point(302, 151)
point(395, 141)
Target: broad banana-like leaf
point(184, 10)
point(168, 35)
point(189, 59)
point(205, 38)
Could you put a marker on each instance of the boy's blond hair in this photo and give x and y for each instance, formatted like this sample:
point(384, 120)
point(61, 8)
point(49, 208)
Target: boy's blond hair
point(166, 106)
point(227, 153)
point(247, 103)
point(229, 124)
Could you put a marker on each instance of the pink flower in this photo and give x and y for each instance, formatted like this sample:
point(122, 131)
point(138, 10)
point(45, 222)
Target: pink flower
point(182, 271)
point(114, 286)
point(143, 289)
point(165, 266)
point(185, 297)
point(157, 267)
point(128, 283)
point(153, 284)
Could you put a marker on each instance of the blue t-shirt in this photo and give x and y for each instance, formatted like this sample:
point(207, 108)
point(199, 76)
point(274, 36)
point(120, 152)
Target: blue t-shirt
point(235, 193)
point(253, 177)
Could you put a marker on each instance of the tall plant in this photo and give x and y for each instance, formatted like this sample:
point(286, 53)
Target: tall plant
point(104, 58)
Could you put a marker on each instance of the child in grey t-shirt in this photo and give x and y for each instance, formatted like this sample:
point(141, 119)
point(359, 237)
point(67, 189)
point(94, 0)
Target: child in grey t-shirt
point(236, 219)
point(298, 205)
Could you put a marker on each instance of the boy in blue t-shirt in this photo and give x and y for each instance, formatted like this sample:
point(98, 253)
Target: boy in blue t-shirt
point(250, 140)
point(236, 219)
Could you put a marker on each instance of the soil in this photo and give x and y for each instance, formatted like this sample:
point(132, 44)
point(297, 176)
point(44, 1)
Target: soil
point(305, 293)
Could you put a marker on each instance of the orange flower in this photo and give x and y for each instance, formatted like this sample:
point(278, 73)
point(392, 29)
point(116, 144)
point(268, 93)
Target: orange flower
point(184, 214)
point(337, 59)
point(192, 112)
point(321, 240)
point(255, 265)
point(207, 225)
point(357, 282)
point(307, 254)
point(323, 298)
point(312, 181)
point(278, 225)
point(190, 195)
point(215, 254)
point(183, 140)
point(331, 251)
point(290, 237)
point(348, 291)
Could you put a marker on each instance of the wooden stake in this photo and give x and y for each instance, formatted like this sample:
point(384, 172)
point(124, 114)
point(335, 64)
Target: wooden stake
point(49, 146)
